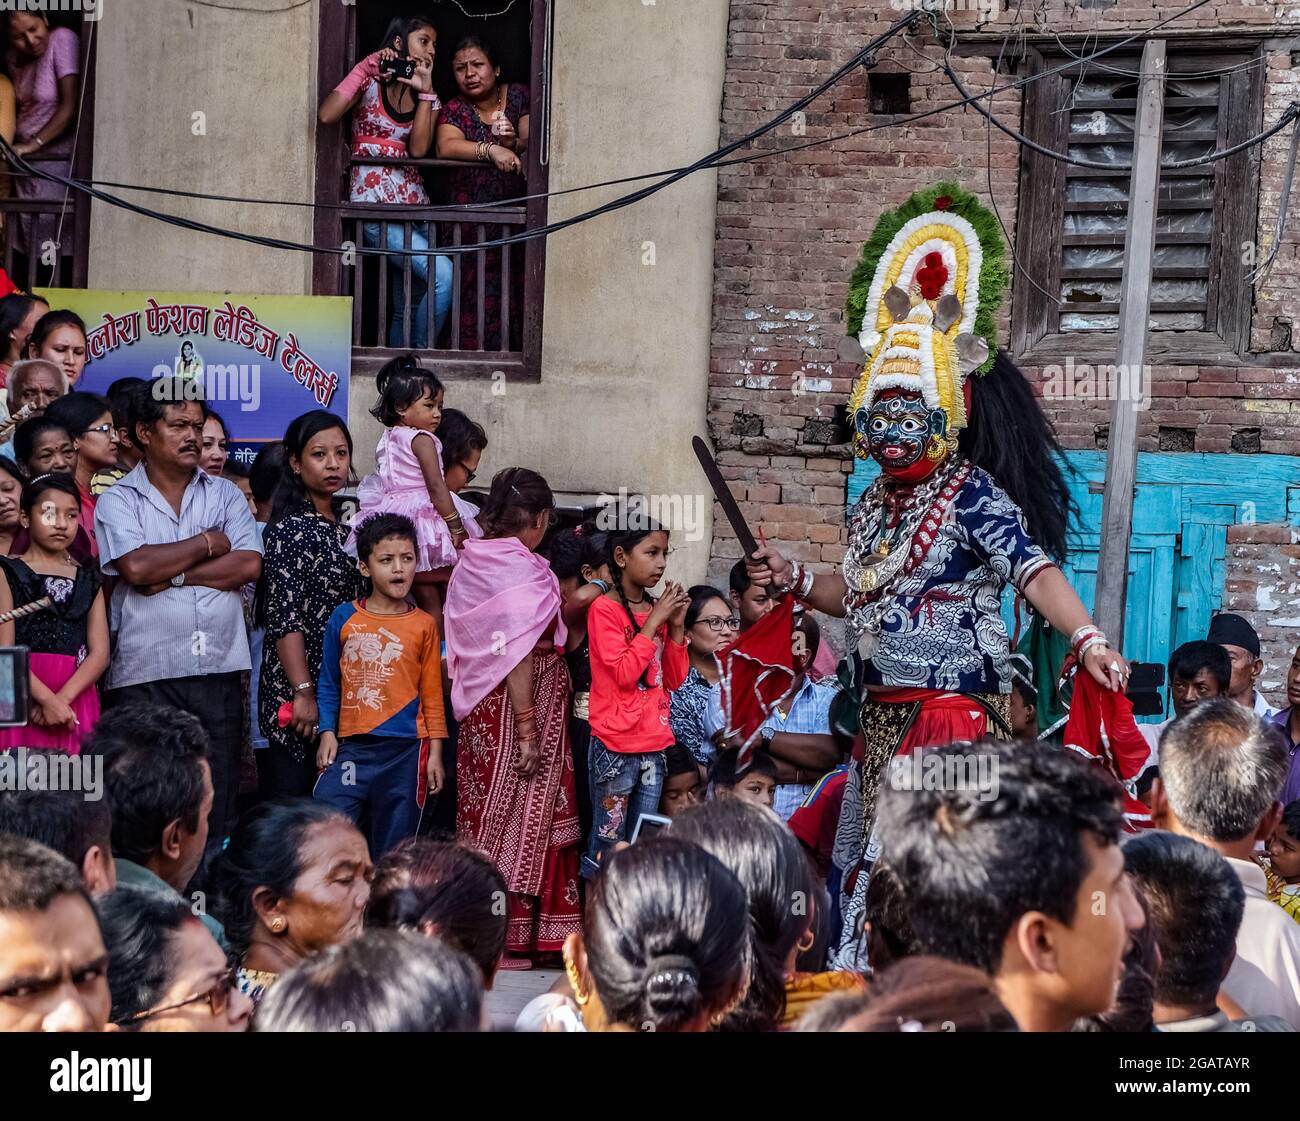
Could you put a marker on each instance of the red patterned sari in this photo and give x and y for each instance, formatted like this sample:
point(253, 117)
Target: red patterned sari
point(527, 827)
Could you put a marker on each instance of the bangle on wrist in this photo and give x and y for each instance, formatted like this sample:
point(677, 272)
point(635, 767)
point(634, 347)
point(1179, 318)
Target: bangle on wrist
point(1090, 643)
point(304, 687)
point(208, 542)
point(1088, 630)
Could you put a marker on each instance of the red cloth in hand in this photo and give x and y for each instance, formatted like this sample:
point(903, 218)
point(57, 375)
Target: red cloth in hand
point(1122, 750)
point(757, 672)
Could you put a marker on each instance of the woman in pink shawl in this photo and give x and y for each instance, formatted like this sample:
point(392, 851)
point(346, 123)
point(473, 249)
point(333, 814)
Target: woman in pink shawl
point(510, 691)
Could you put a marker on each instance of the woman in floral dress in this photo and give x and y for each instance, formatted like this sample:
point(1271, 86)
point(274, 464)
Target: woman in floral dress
point(305, 575)
point(486, 126)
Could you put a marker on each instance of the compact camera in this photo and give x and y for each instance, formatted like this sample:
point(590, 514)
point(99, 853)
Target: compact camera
point(390, 68)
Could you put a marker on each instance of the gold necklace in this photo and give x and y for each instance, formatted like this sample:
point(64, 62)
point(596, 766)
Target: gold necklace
point(501, 104)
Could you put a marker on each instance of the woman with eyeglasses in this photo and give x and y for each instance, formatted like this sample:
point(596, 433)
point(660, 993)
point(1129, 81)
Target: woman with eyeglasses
point(165, 970)
point(463, 441)
point(88, 419)
point(709, 624)
point(510, 691)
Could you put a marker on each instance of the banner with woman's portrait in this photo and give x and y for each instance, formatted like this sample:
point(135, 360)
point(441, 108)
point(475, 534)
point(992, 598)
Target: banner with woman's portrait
point(258, 361)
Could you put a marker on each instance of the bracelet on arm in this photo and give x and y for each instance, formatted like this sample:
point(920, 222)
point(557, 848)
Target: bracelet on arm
point(208, 542)
point(795, 579)
point(304, 687)
point(1088, 630)
point(804, 585)
point(1088, 644)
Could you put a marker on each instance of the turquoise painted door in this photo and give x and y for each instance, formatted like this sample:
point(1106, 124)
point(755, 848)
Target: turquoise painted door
point(1147, 612)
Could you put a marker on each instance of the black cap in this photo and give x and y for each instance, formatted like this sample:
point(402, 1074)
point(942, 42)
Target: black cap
point(1232, 630)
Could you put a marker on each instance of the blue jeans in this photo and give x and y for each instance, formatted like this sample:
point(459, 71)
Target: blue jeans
point(375, 779)
point(442, 278)
point(623, 787)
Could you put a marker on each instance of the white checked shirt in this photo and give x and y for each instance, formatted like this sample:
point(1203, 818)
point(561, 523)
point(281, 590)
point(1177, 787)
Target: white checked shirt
point(810, 714)
point(1265, 975)
point(180, 632)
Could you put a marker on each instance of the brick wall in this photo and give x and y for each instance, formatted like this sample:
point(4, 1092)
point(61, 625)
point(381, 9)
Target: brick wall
point(790, 229)
point(1263, 583)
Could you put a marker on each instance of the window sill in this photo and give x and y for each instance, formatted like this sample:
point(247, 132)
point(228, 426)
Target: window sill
point(1165, 348)
point(467, 364)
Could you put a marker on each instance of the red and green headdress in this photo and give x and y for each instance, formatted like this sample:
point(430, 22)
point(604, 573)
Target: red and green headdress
point(923, 299)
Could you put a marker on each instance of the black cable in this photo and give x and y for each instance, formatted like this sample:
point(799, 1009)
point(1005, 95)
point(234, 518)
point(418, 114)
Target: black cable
point(713, 160)
point(896, 122)
point(1291, 112)
point(541, 231)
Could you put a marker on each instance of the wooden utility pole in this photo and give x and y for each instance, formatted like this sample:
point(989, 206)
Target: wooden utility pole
point(1130, 347)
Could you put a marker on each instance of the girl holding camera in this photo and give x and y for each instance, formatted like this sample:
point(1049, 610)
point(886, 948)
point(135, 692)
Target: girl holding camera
point(394, 113)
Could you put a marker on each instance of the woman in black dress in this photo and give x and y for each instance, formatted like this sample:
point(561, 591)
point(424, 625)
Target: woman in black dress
point(305, 575)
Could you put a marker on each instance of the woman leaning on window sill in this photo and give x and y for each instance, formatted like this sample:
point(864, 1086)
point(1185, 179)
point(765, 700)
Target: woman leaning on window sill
point(485, 126)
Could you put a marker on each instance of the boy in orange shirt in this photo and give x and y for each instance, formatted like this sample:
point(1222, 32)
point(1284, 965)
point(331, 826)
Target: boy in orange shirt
point(380, 693)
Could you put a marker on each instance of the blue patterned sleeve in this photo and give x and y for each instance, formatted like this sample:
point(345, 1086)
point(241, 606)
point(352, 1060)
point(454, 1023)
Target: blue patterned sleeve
point(995, 529)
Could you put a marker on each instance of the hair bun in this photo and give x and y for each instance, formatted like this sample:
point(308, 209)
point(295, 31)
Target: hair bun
point(672, 991)
point(671, 971)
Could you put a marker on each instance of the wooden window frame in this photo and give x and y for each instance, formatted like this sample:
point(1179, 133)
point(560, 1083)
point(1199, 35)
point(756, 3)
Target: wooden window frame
point(337, 37)
point(1226, 339)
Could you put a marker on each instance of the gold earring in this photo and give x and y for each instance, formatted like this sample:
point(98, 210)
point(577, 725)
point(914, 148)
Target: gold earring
point(936, 450)
point(575, 982)
point(277, 925)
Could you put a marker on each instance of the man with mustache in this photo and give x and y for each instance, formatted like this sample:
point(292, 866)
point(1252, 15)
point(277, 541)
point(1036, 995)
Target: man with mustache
point(182, 544)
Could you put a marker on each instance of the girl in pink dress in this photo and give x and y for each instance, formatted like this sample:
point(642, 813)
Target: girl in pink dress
point(68, 639)
point(408, 477)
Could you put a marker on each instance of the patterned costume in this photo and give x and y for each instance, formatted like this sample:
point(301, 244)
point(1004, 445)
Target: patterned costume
point(935, 539)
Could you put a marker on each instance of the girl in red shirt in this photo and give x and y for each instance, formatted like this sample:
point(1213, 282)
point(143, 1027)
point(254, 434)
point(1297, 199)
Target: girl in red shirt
point(638, 654)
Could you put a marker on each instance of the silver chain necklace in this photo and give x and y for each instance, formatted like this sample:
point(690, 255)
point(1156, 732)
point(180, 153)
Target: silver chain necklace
point(873, 573)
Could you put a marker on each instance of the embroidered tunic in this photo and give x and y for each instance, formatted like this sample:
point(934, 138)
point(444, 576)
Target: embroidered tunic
point(943, 628)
